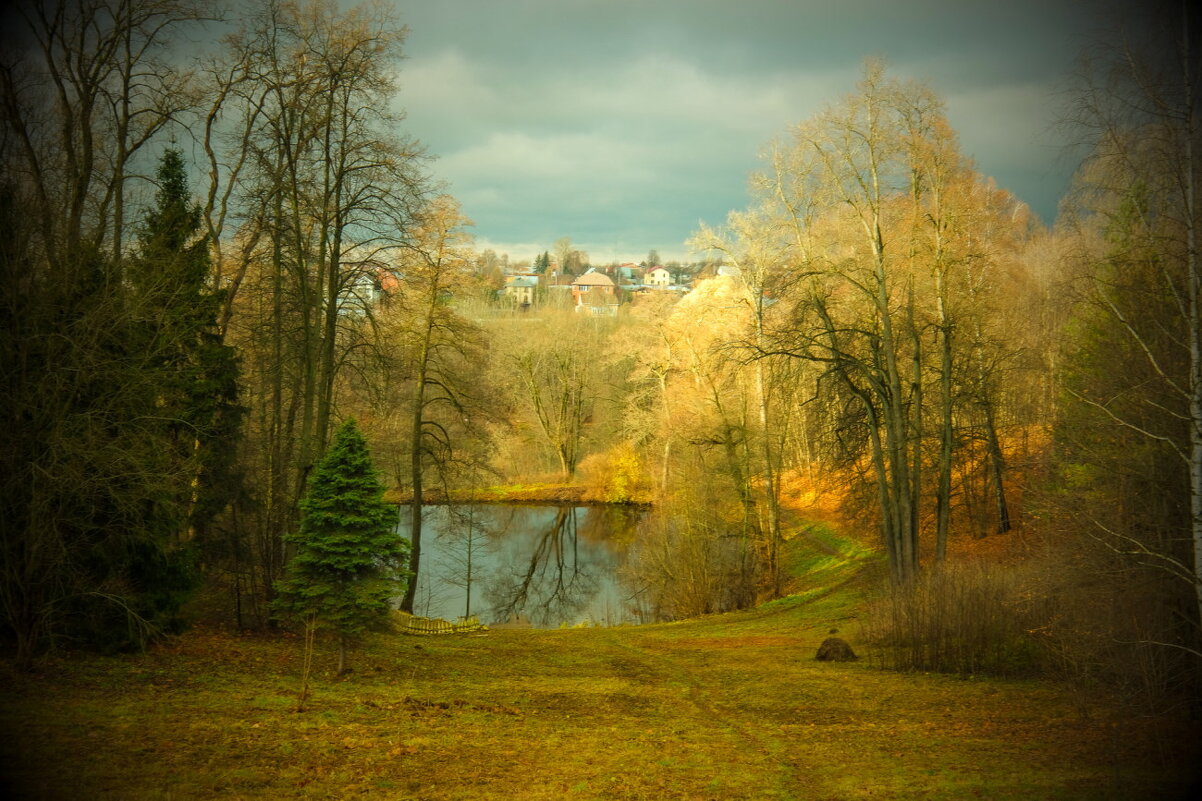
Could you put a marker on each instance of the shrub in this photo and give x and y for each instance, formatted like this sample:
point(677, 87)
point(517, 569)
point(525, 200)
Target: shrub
point(614, 476)
point(960, 618)
point(690, 563)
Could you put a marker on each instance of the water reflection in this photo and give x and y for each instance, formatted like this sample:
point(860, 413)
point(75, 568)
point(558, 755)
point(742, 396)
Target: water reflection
point(543, 566)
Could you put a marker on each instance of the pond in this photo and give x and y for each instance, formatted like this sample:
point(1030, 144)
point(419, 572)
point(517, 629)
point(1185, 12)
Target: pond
point(542, 566)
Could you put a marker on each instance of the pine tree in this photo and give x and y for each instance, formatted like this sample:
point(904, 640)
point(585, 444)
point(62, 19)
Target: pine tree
point(198, 372)
point(349, 557)
point(182, 401)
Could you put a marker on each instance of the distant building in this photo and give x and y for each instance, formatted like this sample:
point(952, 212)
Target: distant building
point(658, 276)
point(369, 285)
point(596, 293)
point(630, 274)
point(521, 288)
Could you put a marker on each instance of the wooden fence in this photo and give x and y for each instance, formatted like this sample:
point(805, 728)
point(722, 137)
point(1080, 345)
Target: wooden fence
point(433, 625)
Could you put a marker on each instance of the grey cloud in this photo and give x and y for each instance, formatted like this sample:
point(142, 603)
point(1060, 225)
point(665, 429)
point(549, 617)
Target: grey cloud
point(623, 123)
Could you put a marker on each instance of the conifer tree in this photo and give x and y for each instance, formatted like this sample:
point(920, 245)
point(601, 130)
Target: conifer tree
point(349, 557)
point(176, 311)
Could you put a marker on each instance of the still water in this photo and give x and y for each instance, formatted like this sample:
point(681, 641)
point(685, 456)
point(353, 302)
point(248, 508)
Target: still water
point(543, 566)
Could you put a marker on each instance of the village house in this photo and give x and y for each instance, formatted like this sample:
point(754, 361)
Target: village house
point(658, 276)
point(521, 288)
point(596, 293)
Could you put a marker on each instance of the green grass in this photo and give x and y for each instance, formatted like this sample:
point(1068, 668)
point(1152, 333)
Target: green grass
point(729, 707)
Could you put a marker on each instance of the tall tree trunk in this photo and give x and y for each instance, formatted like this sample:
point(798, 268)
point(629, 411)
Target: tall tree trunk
point(997, 468)
point(916, 432)
point(1195, 313)
point(667, 423)
point(415, 505)
point(771, 490)
point(901, 500)
point(943, 492)
point(416, 462)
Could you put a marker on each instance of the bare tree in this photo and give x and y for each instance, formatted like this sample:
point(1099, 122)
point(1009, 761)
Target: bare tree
point(885, 239)
point(556, 374)
point(1137, 219)
point(311, 189)
point(756, 251)
point(435, 263)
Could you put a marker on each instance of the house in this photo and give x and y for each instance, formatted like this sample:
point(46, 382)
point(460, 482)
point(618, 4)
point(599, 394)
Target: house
point(521, 288)
point(369, 284)
point(658, 276)
point(596, 293)
point(630, 274)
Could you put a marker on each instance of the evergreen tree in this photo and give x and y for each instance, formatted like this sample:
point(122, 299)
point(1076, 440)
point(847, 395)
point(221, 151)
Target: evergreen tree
point(349, 557)
point(190, 379)
point(198, 373)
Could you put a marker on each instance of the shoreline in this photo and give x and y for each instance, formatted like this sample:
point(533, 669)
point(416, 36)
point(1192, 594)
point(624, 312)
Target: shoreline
point(531, 494)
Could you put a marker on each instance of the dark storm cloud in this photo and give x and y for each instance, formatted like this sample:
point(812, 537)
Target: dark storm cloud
point(622, 124)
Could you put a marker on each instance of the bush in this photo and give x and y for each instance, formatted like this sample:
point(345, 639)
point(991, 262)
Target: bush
point(1123, 630)
point(961, 618)
point(614, 476)
point(691, 564)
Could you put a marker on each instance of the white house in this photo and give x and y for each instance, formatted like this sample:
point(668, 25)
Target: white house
point(658, 276)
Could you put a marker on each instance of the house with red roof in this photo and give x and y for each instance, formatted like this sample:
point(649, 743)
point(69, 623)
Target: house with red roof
point(596, 293)
point(658, 276)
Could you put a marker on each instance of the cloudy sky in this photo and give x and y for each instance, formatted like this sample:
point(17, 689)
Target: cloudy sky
point(623, 123)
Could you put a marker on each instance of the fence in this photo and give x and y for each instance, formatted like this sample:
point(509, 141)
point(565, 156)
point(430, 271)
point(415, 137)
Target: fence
point(433, 625)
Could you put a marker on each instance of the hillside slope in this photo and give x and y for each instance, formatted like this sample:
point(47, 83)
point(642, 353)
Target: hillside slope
point(729, 707)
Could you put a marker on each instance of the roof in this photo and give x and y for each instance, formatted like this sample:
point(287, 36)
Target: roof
point(592, 278)
point(521, 280)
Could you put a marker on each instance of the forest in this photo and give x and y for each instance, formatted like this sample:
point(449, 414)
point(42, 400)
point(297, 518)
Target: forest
point(228, 275)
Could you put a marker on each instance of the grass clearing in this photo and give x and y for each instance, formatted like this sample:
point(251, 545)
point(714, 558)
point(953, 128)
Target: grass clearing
point(729, 707)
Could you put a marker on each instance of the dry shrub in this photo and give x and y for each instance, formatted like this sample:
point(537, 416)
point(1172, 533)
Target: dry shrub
point(1105, 627)
point(1123, 629)
point(965, 618)
point(690, 563)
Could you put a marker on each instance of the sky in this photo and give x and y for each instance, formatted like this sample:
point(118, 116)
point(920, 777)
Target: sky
point(624, 124)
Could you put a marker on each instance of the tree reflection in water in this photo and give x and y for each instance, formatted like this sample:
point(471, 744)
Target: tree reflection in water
point(549, 565)
point(551, 585)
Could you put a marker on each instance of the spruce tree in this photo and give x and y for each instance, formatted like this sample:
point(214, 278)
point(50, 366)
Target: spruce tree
point(147, 481)
point(349, 557)
point(197, 372)
point(180, 398)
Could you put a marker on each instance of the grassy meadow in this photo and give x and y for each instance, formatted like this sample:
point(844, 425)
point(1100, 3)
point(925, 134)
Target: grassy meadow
point(727, 707)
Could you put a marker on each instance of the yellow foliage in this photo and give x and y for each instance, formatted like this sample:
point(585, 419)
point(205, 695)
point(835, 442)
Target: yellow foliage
point(614, 476)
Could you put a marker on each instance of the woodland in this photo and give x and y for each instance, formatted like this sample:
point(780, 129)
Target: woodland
point(234, 295)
